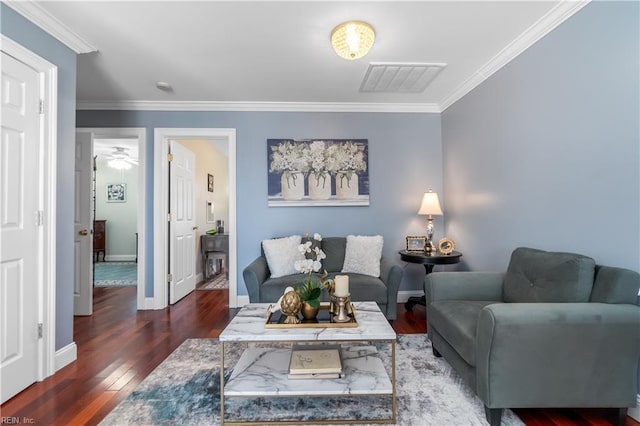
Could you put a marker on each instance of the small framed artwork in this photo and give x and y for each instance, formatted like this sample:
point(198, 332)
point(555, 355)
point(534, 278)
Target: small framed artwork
point(116, 193)
point(416, 243)
point(209, 182)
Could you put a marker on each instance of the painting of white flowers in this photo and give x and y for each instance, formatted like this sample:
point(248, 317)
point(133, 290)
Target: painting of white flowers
point(327, 172)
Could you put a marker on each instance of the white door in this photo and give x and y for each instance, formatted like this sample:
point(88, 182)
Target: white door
point(83, 227)
point(182, 224)
point(20, 227)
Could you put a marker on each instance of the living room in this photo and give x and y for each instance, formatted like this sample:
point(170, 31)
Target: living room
point(543, 153)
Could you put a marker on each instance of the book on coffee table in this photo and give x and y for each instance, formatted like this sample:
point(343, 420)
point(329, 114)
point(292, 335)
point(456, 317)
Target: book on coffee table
point(315, 361)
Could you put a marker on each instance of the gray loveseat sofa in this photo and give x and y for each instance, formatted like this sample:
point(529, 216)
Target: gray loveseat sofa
point(383, 290)
point(555, 331)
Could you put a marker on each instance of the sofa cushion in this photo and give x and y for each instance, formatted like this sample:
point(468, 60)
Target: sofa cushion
point(456, 321)
point(615, 285)
point(362, 255)
point(273, 288)
point(281, 255)
point(334, 248)
point(365, 288)
point(540, 276)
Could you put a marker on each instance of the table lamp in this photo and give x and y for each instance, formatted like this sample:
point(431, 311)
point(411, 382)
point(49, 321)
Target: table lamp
point(430, 206)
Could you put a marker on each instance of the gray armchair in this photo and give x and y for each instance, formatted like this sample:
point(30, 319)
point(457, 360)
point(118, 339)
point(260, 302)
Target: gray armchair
point(555, 330)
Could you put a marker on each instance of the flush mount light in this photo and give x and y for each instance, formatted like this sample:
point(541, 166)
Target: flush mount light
point(352, 39)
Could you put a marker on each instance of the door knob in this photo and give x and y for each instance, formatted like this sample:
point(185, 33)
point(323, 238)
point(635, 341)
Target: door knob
point(84, 232)
point(195, 227)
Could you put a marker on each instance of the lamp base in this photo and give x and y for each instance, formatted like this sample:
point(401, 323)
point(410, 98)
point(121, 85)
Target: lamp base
point(429, 248)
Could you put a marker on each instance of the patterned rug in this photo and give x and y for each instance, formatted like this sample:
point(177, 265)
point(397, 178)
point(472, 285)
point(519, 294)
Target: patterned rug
point(115, 274)
point(184, 389)
point(219, 282)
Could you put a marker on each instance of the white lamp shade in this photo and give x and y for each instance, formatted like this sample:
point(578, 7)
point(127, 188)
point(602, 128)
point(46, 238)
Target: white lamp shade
point(430, 204)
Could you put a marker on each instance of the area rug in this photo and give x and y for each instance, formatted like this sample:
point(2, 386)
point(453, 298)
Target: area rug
point(184, 389)
point(116, 274)
point(219, 282)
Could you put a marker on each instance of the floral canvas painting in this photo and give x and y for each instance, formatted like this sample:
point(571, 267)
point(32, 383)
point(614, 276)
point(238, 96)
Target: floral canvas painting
point(318, 172)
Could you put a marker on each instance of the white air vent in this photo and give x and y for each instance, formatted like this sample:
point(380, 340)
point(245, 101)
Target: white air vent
point(393, 77)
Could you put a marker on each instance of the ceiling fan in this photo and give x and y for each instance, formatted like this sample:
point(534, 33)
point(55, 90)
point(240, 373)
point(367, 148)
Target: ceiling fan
point(120, 159)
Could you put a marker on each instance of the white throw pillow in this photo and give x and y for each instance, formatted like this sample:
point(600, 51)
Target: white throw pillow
point(363, 254)
point(281, 254)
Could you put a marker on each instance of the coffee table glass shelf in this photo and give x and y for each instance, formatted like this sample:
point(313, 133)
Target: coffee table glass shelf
point(262, 370)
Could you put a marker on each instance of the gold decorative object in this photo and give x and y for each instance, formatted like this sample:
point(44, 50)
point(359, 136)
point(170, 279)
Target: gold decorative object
point(309, 312)
point(290, 306)
point(446, 246)
point(341, 302)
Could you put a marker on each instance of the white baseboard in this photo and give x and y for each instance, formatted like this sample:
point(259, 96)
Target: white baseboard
point(404, 295)
point(634, 412)
point(242, 299)
point(120, 258)
point(66, 355)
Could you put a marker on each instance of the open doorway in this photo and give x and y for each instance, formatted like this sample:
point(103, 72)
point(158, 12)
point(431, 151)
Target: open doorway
point(163, 139)
point(116, 202)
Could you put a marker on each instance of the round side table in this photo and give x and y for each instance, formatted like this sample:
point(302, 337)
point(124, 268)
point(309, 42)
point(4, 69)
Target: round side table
point(429, 262)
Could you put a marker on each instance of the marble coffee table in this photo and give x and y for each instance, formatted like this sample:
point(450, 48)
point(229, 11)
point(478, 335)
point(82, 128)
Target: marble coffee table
point(262, 369)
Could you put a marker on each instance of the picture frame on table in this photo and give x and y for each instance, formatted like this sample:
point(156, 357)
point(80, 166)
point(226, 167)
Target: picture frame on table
point(416, 243)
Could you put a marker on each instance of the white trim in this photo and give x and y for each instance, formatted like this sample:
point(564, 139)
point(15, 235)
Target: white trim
point(543, 26)
point(242, 300)
point(634, 412)
point(161, 139)
point(49, 23)
point(404, 295)
point(66, 356)
point(260, 106)
point(47, 199)
point(141, 134)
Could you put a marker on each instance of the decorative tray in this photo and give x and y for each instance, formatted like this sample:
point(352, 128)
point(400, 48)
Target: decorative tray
point(323, 320)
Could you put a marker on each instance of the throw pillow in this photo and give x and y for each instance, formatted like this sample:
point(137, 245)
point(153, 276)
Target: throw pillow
point(362, 255)
point(281, 254)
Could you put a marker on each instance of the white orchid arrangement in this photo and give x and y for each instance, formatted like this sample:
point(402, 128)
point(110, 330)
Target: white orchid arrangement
point(311, 287)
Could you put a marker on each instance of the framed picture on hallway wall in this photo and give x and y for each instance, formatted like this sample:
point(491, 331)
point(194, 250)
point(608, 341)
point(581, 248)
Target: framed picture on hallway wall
point(116, 193)
point(209, 182)
point(318, 172)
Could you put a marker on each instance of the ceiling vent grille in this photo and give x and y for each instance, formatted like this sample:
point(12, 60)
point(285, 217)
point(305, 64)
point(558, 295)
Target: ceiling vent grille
point(395, 77)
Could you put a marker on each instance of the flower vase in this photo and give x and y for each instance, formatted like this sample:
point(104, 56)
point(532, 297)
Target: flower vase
point(319, 185)
point(346, 185)
point(292, 185)
point(309, 312)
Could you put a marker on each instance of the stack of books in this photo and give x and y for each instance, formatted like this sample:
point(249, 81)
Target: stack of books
point(315, 362)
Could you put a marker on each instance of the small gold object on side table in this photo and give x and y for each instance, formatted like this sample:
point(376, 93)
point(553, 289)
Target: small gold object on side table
point(341, 302)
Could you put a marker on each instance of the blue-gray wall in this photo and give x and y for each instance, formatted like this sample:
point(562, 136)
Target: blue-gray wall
point(545, 153)
point(22, 31)
point(405, 159)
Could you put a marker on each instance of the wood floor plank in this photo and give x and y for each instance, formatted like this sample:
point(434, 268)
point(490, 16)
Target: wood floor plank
point(118, 347)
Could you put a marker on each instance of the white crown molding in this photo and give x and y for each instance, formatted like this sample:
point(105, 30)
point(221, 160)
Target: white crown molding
point(43, 19)
point(552, 19)
point(261, 106)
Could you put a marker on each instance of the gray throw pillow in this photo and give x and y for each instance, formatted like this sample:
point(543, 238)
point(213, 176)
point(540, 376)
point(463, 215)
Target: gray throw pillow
point(541, 276)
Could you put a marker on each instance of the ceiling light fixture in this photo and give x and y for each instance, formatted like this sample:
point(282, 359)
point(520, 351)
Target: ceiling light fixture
point(119, 159)
point(352, 39)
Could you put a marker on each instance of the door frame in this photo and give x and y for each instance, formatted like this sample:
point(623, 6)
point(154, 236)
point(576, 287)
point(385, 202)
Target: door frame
point(160, 202)
point(48, 148)
point(141, 134)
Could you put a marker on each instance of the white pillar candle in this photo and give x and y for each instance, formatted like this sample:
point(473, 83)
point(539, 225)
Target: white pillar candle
point(342, 286)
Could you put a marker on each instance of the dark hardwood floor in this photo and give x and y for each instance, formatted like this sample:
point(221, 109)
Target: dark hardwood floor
point(118, 347)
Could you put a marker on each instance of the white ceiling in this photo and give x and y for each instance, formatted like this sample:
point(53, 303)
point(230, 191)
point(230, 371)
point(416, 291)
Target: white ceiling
point(276, 54)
